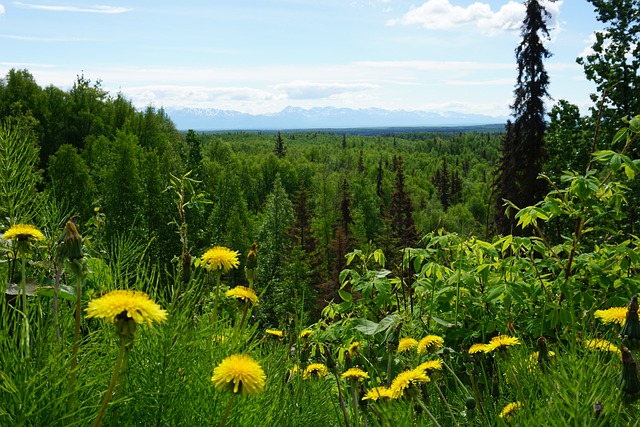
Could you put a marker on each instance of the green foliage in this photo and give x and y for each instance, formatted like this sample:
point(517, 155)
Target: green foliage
point(18, 160)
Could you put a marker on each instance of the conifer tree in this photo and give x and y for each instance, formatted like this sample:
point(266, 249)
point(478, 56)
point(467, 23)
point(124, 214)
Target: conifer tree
point(523, 150)
point(280, 150)
point(403, 228)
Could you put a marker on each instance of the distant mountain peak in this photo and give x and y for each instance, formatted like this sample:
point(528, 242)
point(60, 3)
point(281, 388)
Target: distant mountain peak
point(292, 117)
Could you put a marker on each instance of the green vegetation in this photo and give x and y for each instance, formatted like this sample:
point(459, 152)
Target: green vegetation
point(158, 278)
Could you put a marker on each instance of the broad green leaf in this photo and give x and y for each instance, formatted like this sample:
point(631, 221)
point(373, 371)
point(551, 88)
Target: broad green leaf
point(365, 326)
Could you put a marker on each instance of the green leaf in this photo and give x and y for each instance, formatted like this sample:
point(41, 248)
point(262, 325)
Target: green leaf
point(365, 326)
point(65, 292)
point(346, 296)
point(620, 135)
point(634, 124)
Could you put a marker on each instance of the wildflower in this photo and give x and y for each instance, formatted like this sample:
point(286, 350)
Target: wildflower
point(275, 332)
point(220, 259)
point(405, 380)
point(477, 348)
point(306, 333)
point(355, 374)
point(243, 294)
point(23, 232)
point(377, 393)
point(501, 342)
point(407, 344)
point(602, 344)
point(510, 410)
point(316, 370)
point(430, 365)
point(239, 373)
point(430, 342)
point(533, 357)
point(218, 338)
point(130, 304)
point(612, 315)
point(252, 262)
point(354, 348)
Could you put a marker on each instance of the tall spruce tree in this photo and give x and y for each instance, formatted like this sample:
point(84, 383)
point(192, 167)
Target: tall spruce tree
point(523, 150)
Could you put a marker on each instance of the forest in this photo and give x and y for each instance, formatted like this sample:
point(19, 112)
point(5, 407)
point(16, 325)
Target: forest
point(324, 277)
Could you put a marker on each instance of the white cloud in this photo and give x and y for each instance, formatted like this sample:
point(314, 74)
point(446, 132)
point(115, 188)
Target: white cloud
point(203, 96)
point(314, 90)
point(441, 14)
point(90, 9)
point(45, 39)
point(1, 10)
point(494, 82)
point(436, 65)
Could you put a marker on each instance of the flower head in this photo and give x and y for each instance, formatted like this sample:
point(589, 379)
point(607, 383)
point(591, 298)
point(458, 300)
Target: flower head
point(477, 348)
point(239, 373)
point(603, 345)
point(377, 393)
point(354, 348)
point(405, 380)
point(501, 342)
point(220, 259)
point(275, 333)
point(407, 344)
point(132, 304)
point(510, 410)
point(306, 333)
point(315, 370)
point(244, 294)
point(355, 374)
point(23, 232)
point(612, 315)
point(430, 365)
point(430, 342)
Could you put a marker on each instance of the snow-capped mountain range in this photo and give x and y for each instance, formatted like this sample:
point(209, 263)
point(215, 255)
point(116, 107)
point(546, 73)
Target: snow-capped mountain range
point(320, 118)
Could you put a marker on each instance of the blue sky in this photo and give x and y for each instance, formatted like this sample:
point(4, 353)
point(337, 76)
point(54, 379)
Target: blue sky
point(260, 56)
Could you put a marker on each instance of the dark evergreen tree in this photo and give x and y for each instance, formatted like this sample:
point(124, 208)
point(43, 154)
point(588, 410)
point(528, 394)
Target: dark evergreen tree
point(523, 150)
point(280, 150)
point(403, 228)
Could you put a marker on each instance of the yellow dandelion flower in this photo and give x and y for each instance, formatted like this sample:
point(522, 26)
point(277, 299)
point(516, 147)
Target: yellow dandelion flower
point(407, 344)
point(306, 333)
point(354, 348)
point(405, 380)
point(220, 259)
point(510, 410)
point(137, 306)
point(355, 374)
point(477, 348)
point(315, 370)
point(274, 332)
point(239, 373)
point(430, 365)
point(612, 315)
point(430, 342)
point(603, 345)
point(533, 357)
point(295, 369)
point(501, 342)
point(377, 393)
point(243, 294)
point(23, 232)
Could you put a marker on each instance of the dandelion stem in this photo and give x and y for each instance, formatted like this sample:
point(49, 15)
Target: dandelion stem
point(112, 382)
point(227, 410)
point(354, 396)
point(341, 398)
point(25, 341)
point(76, 335)
point(429, 414)
point(215, 300)
point(244, 316)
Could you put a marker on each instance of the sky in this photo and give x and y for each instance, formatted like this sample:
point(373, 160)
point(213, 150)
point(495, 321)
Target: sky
point(260, 56)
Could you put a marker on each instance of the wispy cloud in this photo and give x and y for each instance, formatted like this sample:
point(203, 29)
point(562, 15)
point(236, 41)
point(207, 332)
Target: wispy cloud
point(45, 39)
point(60, 8)
point(315, 90)
point(1, 10)
point(436, 65)
point(441, 14)
point(179, 96)
point(25, 65)
point(494, 82)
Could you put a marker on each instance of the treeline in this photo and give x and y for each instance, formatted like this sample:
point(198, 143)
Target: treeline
point(306, 198)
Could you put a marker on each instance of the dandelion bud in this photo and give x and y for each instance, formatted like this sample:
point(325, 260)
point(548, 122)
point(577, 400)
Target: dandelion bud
point(631, 327)
point(470, 403)
point(628, 383)
point(543, 353)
